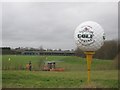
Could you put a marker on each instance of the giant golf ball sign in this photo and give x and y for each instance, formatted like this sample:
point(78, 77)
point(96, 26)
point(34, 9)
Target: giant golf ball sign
point(89, 36)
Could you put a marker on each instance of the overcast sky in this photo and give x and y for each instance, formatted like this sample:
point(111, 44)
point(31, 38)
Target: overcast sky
point(52, 25)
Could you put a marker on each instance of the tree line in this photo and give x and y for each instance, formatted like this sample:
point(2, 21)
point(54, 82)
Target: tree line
point(109, 50)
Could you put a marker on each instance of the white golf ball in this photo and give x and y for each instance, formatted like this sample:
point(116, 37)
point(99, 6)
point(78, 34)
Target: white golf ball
point(89, 36)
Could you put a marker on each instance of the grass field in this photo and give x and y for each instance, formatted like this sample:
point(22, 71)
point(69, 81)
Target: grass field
point(103, 73)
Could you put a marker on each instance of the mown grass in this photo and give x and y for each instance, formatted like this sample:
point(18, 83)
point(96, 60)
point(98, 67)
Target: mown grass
point(40, 79)
point(70, 63)
point(103, 73)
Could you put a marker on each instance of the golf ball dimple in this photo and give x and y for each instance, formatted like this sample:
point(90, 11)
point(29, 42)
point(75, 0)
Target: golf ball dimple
point(89, 36)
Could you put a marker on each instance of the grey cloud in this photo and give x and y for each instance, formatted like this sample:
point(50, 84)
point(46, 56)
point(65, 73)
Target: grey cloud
point(52, 25)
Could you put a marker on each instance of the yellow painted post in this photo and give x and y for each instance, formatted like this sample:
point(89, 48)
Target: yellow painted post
point(89, 55)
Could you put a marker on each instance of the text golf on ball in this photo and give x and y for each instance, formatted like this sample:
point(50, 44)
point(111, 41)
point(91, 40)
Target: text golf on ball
point(89, 36)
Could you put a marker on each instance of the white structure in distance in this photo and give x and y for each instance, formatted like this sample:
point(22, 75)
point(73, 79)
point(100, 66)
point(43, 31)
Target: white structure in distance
point(89, 36)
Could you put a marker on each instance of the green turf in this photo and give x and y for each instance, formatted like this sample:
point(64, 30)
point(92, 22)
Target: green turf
point(103, 73)
point(70, 63)
point(40, 79)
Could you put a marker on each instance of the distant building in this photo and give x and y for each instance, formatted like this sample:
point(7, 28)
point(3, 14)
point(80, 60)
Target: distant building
point(23, 51)
point(61, 53)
